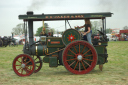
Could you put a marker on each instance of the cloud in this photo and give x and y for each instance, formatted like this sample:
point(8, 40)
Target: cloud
point(113, 5)
point(36, 4)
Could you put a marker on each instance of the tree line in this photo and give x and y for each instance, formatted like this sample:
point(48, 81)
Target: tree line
point(95, 25)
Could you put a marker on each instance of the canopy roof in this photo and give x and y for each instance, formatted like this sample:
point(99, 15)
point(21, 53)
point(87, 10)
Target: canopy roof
point(73, 16)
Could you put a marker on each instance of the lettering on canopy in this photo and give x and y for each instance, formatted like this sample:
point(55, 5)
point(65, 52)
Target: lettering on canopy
point(96, 15)
point(31, 17)
point(59, 17)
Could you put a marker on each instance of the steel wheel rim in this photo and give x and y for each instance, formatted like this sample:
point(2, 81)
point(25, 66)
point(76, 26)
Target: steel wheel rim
point(21, 67)
point(77, 65)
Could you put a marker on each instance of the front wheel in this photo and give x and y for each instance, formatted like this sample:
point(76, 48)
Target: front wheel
point(23, 65)
point(79, 57)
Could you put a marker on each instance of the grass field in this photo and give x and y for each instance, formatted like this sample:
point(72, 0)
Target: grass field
point(115, 72)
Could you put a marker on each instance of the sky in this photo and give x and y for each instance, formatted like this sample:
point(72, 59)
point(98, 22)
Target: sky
point(11, 9)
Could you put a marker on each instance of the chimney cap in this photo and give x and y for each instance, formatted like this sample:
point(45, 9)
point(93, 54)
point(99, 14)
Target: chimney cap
point(29, 12)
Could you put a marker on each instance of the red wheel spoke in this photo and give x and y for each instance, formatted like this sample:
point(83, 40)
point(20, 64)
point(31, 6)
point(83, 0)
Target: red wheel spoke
point(70, 55)
point(86, 63)
point(18, 61)
point(72, 63)
point(72, 51)
point(17, 65)
point(79, 48)
point(83, 49)
point(35, 59)
point(88, 59)
point(21, 60)
point(86, 52)
point(25, 59)
point(75, 65)
point(22, 71)
point(37, 62)
point(28, 69)
point(27, 62)
point(71, 59)
point(87, 55)
point(19, 68)
point(37, 66)
point(75, 49)
point(83, 65)
point(29, 65)
point(79, 67)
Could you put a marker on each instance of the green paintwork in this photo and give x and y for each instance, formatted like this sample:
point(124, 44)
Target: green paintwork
point(101, 60)
point(50, 50)
point(100, 50)
point(73, 16)
point(41, 50)
point(54, 42)
point(70, 33)
point(53, 62)
point(46, 59)
point(104, 43)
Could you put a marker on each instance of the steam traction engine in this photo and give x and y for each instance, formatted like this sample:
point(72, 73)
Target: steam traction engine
point(5, 41)
point(77, 55)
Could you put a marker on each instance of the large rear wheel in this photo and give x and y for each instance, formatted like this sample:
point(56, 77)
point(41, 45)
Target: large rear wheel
point(79, 57)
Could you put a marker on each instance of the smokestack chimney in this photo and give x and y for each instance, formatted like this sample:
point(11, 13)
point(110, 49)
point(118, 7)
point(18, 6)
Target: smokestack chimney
point(30, 27)
point(30, 13)
point(12, 35)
